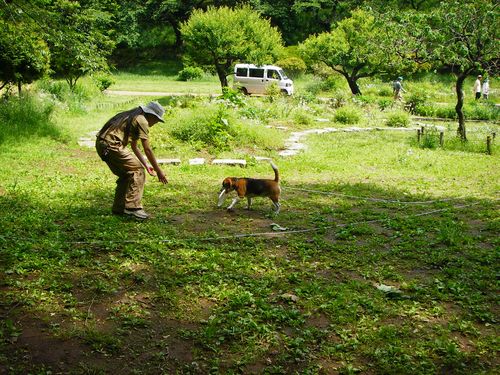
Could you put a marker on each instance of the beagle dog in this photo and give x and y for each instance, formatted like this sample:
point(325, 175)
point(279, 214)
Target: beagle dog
point(252, 187)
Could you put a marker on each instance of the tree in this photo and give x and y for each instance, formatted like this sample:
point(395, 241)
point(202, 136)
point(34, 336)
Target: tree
point(464, 35)
point(220, 37)
point(362, 46)
point(80, 44)
point(24, 56)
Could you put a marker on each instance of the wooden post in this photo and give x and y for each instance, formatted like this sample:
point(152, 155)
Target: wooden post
point(494, 134)
point(422, 130)
point(488, 145)
point(441, 139)
point(418, 135)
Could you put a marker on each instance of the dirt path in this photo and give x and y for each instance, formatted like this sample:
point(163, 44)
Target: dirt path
point(155, 93)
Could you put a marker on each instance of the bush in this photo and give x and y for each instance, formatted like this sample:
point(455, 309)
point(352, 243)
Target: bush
point(398, 119)
point(481, 111)
point(190, 73)
point(384, 103)
point(348, 115)
point(216, 128)
point(235, 97)
point(446, 112)
point(25, 117)
point(415, 100)
point(430, 139)
point(103, 81)
point(302, 117)
point(293, 66)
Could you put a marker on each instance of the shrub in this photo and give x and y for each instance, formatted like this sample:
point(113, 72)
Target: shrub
point(446, 112)
point(210, 128)
point(190, 73)
point(384, 103)
point(272, 92)
point(348, 115)
point(233, 96)
point(385, 91)
point(27, 116)
point(103, 81)
point(398, 118)
point(302, 117)
point(482, 111)
point(415, 100)
point(293, 66)
point(430, 139)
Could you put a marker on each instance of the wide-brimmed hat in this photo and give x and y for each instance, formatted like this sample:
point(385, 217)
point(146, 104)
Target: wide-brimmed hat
point(154, 108)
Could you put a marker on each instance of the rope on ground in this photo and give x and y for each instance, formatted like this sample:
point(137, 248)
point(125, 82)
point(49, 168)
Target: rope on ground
point(274, 234)
point(370, 198)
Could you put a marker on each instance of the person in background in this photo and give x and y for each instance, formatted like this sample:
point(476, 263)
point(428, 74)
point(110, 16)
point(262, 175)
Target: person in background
point(397, 89)
point(477, 87)
point(111, 146)
point(486, 88)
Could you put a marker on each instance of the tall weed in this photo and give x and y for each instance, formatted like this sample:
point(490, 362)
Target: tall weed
point(27, 116)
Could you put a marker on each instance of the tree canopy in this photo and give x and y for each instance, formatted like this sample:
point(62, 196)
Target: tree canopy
point(361, 46)
point(220, 37)
point(463, 35)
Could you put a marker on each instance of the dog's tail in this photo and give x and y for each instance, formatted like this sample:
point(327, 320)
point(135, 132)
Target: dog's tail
point(276, 173)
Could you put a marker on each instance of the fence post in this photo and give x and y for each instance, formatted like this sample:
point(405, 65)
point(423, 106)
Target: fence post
point(422, 130)
point(441, 139)
point(488, 145)
point(418, 135)
point(494, 134)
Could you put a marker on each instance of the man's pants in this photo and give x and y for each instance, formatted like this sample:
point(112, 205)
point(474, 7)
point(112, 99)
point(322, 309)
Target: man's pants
point(131, 176)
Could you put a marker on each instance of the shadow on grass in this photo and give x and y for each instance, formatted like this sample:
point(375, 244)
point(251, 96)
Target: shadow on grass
point(158, 295)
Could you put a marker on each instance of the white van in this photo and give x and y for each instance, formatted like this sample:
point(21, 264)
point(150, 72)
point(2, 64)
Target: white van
point(252, 79)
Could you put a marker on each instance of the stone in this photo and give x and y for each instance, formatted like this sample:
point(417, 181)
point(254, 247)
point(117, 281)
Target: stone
point(197, 161)
point(240, 162)
point(169, 161)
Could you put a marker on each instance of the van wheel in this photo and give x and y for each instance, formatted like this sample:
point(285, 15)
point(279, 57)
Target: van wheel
point(244, 91)
point(284, 92)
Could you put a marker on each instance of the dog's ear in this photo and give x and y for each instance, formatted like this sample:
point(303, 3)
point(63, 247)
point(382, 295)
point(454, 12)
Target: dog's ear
point(226, 184)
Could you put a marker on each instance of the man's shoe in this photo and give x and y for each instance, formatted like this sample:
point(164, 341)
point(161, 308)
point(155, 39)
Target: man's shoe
point(139, 214)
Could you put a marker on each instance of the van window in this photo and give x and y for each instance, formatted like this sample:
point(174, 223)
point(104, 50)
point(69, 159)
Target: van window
point(257, 73)
point(273, 74)
point(242, 72)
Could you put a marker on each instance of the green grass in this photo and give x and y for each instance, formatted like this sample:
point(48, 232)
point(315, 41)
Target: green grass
point(170, 296)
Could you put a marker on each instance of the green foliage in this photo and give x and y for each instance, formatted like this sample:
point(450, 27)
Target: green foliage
point(27, 117)
point(210, 129)
point(80, 45)
point(385, 103)
point(190, 73)
point(103, 80)
point(233, 96)
point(24, 56)
point(347, 115)
point(293, 66)
point(360, 46)
point(398, 118)
point(415, 101)
point(220, 37)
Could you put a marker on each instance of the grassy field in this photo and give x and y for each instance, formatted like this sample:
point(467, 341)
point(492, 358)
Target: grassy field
point(388, 263)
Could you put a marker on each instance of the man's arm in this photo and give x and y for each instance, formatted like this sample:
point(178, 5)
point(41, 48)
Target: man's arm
point(149, 154)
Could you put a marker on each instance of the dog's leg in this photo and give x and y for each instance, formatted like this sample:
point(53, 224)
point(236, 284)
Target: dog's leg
point(233, 203)
point(249, 200)
point(222, 197)
point(277, 207)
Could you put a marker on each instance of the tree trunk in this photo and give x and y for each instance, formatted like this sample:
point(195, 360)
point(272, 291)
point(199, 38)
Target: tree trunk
point(19, 84)
point(458, 108)
point(177, 32)
point(353, 85)
point(221, 73)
